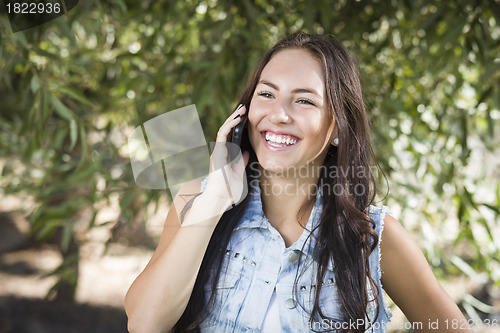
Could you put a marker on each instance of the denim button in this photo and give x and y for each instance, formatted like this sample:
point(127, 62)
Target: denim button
point(290, 303)
point(293, 258)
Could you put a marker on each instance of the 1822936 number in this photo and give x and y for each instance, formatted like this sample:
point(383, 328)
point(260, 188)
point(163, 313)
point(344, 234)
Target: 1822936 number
point(33, 8)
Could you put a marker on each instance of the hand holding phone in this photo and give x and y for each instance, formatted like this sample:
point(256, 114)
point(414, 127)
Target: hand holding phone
point(227, 173)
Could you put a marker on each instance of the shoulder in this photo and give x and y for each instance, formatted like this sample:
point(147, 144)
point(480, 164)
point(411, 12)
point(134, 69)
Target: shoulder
point(402, 259)
point(395, 236)
point(378, 215)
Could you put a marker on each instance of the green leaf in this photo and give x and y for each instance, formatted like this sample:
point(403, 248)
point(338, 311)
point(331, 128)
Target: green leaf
point(73, 133)
point(35, 84)
point(61, 109)
point(67, 235)
point(464, 267)
point(84, 145)
point(52, 289)
point(49, 228)
point(45, 99)
point(45, 53)
point(83, 175)
point(122, 5)
point(93, 219)
point(471, 312)
point(75, 95)
point(469, 198)
point(493, 208)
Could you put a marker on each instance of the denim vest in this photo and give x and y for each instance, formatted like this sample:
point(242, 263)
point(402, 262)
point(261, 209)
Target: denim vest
point(257, 263)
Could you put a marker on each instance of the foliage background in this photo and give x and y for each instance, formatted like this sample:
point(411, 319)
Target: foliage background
point(73, 89)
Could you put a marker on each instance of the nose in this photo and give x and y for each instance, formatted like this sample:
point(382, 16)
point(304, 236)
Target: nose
point(279, 114)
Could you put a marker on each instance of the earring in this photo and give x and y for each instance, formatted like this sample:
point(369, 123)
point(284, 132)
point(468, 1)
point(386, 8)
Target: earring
point(336, 141)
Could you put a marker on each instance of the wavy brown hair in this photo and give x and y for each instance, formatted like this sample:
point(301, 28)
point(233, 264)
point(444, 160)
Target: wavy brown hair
point(346, 233)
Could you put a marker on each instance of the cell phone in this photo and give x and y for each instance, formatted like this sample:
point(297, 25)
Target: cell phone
point(237, 134)
point(238, 129)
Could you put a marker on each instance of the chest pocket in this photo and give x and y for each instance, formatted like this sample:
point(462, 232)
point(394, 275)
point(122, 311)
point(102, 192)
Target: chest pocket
point(329, 302)
point(230, 291)
point(227, 282)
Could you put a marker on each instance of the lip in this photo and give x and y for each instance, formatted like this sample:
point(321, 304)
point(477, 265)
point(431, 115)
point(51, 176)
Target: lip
point(271, 147)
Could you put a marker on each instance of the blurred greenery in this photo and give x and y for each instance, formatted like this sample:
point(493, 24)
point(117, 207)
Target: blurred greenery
point(73, 89)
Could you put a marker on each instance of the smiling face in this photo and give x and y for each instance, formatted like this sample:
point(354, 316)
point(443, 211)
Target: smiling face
point(289, 121)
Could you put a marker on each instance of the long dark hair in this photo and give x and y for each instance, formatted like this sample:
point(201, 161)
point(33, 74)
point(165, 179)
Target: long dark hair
point(346, 232)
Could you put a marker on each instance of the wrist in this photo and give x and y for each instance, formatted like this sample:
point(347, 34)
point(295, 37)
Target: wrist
point(216, 198)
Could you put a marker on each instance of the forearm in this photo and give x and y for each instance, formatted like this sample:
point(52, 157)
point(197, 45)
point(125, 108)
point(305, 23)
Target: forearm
point(158, 297)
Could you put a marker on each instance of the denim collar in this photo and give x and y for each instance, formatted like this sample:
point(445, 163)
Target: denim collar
point(254, 218)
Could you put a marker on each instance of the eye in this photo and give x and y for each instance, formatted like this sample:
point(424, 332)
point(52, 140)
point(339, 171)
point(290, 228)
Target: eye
point(265, 94)
point(305, 101)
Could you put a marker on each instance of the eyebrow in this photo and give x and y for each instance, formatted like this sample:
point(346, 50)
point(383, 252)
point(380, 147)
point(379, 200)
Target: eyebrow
point(295, 91)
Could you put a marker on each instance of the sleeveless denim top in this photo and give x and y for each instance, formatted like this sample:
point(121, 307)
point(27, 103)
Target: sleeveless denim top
point(256, 264)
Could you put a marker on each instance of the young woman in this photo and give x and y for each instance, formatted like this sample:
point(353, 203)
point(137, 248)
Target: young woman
point(302, 251)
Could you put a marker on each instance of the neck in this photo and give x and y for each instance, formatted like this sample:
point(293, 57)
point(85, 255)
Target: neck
point(288, 196)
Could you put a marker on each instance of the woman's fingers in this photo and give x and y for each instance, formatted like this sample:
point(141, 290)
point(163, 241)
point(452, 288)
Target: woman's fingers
point(225, 129)
point(240, 110)
point(230, 123)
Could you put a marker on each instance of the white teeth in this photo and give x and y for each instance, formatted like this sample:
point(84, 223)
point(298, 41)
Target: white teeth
point(273, 138)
